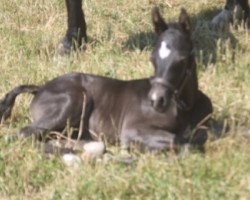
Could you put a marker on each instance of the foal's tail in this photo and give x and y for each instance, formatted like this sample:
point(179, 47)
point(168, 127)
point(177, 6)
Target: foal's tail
point(8, 101)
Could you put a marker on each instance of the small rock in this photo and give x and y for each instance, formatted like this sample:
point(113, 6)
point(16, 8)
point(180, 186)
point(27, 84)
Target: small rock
point(94, 149)
point(72, 160)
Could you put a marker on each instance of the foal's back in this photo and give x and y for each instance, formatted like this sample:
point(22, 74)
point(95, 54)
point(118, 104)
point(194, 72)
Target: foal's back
point(107, 101)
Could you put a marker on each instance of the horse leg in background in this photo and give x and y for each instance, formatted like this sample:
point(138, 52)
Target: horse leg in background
point(76, 35)
point(199, 117)
point(245, 7)
point(232, 12)
point(222, 20)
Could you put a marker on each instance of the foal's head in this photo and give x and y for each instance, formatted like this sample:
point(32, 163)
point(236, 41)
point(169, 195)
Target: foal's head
point(171, 58)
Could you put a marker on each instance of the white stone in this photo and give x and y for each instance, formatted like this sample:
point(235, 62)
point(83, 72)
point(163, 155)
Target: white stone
point(94, 149)
point(71, 160)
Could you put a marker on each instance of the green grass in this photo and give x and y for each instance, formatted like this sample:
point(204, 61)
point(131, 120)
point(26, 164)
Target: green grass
point(120, 42)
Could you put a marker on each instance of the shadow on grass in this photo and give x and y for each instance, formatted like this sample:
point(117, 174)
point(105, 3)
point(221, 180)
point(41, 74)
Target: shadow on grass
point(209, 44)
point(141, 41)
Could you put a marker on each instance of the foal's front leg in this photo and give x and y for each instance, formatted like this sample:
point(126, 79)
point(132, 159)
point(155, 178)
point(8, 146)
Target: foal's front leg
point(198, 118)
point(148, 139)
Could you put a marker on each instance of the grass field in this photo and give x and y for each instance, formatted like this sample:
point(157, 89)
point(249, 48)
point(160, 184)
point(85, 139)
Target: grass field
point(120, 42)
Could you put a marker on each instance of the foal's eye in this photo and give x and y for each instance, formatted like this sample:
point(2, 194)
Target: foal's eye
point(179, 67)
point(182, 62)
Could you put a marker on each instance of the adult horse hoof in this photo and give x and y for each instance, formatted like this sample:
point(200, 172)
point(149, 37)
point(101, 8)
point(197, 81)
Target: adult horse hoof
point(64, 47)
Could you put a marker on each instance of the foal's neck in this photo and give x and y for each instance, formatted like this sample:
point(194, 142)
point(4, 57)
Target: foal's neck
point(188, 95)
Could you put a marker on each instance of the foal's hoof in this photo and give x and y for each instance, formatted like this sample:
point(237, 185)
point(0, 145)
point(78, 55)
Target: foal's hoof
point(29, 131)
point(24, 133)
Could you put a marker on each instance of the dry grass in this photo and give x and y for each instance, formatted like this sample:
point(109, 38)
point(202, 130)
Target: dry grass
point(121, 40)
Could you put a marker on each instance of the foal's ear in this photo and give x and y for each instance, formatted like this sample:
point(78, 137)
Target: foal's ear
point(159, 24)
point(184, 21)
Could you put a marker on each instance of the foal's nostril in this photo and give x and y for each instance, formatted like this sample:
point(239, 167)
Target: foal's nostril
point(152, 102)
point(159, 102)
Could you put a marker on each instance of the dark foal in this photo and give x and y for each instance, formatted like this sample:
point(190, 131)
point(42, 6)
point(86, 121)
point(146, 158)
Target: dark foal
point(76, 36)
point(154, 113)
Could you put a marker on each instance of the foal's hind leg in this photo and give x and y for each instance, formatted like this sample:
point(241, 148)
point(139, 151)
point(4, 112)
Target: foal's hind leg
point(32, 130)
point(148, 138)
point(51, 119)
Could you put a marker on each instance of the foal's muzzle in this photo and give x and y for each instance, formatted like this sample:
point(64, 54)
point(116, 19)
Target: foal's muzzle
point(160, 95)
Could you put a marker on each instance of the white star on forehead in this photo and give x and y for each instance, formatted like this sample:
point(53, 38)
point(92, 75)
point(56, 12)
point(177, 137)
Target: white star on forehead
point(164, 51)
